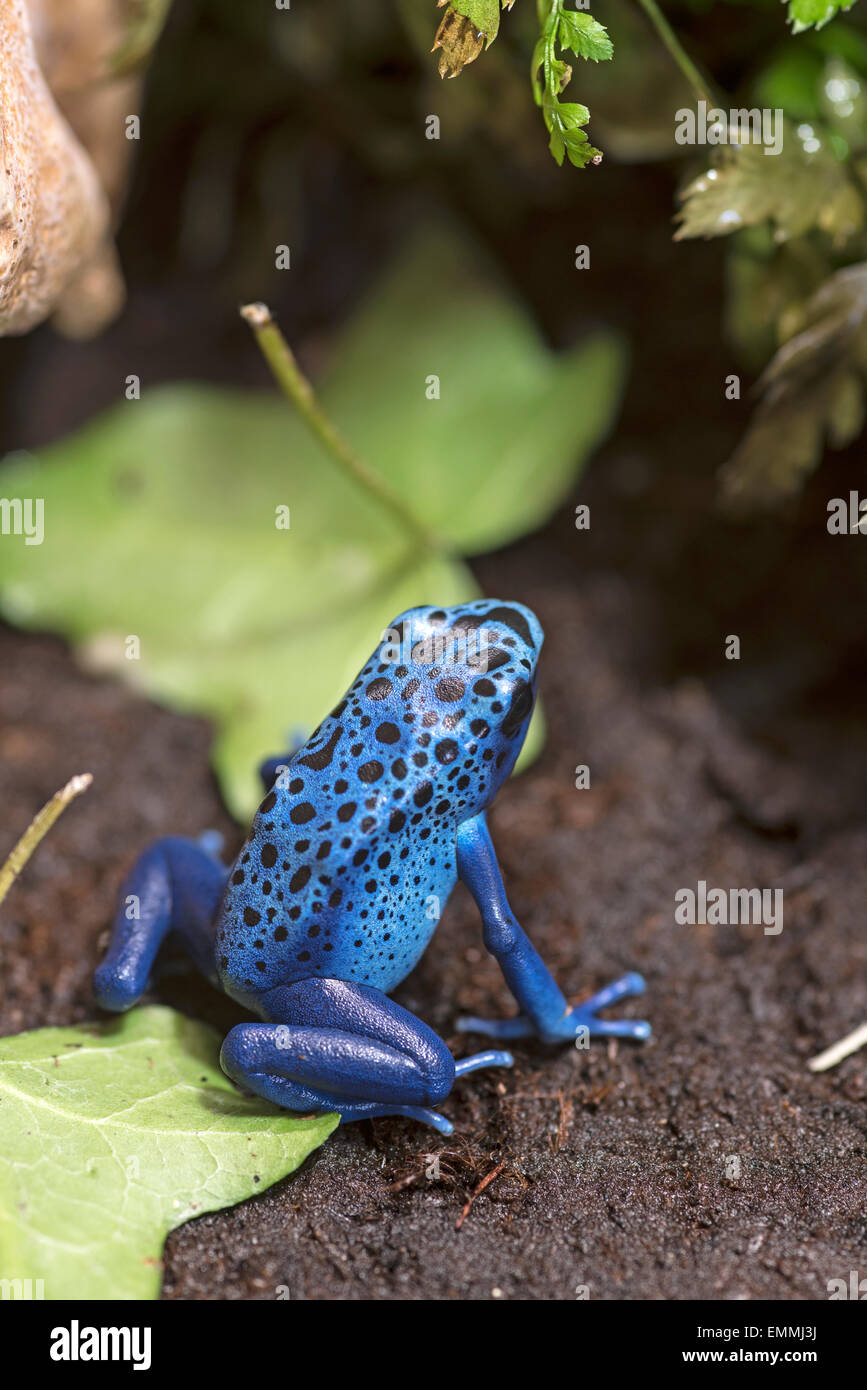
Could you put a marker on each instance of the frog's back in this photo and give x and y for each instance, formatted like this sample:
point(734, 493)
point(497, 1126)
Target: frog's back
point(351, 856)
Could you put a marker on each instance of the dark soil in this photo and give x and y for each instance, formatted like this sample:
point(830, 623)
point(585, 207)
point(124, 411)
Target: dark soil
point(611, 1164)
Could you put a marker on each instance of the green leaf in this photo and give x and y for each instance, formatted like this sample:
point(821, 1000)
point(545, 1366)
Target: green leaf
point(580, 151)
point(467, 23)
point(585, 36)
point(490, 460)
point(803, 187)
point(791, 81)
point(557, 145)
point(767, 287)
point(160, 515)
point(807, 14)
point(571, 114)
point(812, 392)
point(563, 119)
point(116, 1133)
point(143, 26)
point(483, 14)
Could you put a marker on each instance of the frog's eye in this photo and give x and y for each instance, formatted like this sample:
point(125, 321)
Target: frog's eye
point(519, 707)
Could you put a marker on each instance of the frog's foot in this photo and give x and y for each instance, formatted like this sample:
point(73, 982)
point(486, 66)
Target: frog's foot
point(347, 1048)
point(582, 1019)
point(575, 1023)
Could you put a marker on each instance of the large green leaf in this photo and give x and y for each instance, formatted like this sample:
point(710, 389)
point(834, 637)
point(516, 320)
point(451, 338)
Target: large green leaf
point(115, 1133)
point(489, 460)
point(160, 516)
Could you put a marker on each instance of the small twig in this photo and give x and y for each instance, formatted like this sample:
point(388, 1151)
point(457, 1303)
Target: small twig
point(406, 1180)
point(477, 1191)
point(566, 1110)
point(38, 828)
point(677, 51)
point(296, 386)
point(844, 1048)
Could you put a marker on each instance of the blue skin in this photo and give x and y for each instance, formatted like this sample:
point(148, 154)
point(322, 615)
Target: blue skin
point(352, 855)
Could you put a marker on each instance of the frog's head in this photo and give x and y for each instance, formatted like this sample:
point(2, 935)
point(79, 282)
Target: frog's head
point(473, 666)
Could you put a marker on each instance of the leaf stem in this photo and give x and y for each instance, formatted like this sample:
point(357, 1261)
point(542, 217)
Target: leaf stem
point(677, 51)
point(296, 386)
point(38, 828)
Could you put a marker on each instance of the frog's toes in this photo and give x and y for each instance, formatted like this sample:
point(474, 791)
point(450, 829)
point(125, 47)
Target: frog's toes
point(584, 1015)
point(491, 1058)
point(212, 842)
point(426, 1117)
point(566, 1027)
point(520, 1027)
point(365, 1110)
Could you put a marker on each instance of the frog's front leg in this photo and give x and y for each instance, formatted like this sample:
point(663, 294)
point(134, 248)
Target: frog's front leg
point(175, 886)
point(270, 769)
point(544, 1010)
point(336, 1045)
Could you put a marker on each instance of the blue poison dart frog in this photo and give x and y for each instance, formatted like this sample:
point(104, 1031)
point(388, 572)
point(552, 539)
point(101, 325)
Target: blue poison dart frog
point(363, 833)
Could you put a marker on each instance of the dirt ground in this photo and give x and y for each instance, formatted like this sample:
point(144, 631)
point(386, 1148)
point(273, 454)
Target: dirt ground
point(614, 1168)
point(613, 1165)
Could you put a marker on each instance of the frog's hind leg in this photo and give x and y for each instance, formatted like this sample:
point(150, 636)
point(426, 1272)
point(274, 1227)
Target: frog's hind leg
point(175, 886)
point(346, 1047)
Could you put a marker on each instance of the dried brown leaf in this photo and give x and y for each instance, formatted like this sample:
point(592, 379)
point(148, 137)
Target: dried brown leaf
point(812, 392)
point(461, 43)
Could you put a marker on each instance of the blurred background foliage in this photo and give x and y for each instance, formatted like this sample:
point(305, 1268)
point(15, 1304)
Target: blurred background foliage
point(162, 515)
point(308, 128)
point(796, 216)
point(264, 126)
